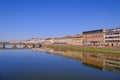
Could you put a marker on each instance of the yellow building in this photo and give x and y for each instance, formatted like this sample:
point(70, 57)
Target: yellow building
point(78, 39)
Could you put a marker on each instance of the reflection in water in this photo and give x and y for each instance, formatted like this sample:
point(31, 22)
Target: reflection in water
point(110, 62)
point(95, 60)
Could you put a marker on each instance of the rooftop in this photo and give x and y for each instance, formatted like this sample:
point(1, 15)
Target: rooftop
point(93, 31)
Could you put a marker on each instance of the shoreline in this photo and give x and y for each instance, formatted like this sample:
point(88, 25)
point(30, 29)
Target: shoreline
point(83, 49)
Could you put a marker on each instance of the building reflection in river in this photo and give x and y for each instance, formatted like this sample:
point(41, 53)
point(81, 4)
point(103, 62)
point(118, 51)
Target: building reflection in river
point(67, 54)
point(110, 62)
point(94, 60)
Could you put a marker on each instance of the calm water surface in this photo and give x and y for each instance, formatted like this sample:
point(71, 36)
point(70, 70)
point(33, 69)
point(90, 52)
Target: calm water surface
point(46, 64)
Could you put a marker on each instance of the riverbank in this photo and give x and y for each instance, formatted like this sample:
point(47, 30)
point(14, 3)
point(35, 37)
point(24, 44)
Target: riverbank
point(83, 49)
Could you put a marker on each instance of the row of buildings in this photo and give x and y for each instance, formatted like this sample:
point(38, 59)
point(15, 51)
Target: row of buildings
point(100, 37)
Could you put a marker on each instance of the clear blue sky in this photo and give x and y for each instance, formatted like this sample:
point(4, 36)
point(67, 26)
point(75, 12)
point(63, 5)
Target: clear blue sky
point(25, 19)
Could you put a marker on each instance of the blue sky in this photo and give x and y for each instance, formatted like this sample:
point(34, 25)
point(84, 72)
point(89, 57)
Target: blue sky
point(25, 19)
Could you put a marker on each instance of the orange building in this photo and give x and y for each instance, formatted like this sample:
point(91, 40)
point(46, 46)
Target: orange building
point(93, 38)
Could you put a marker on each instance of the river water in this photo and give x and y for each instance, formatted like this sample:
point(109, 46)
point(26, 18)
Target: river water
point(49, 64)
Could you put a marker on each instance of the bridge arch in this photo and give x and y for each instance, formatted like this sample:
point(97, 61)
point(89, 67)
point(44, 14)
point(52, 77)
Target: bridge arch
point(20, 45)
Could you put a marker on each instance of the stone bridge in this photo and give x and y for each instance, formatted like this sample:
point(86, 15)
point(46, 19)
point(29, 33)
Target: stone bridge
point(3, 45)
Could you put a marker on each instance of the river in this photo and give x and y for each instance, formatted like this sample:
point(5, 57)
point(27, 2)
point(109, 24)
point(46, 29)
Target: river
point(49, 64)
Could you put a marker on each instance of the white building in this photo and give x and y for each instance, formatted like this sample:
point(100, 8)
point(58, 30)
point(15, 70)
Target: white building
point(34, 40)
point(67, 40)
point(112, 37)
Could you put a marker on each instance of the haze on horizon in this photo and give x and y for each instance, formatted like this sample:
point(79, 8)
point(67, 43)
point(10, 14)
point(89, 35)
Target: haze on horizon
point(25, 19)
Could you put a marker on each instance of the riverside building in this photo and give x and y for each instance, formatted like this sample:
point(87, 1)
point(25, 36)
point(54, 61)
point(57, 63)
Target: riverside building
point(93, 38)
point(67, 40)
point(112, 37)
point(78, 39)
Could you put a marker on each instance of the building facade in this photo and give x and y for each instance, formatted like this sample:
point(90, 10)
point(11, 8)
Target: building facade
point(48, 41)
point(67, 40)
point(112, 37)
point(93, 38)
point(78, 40)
